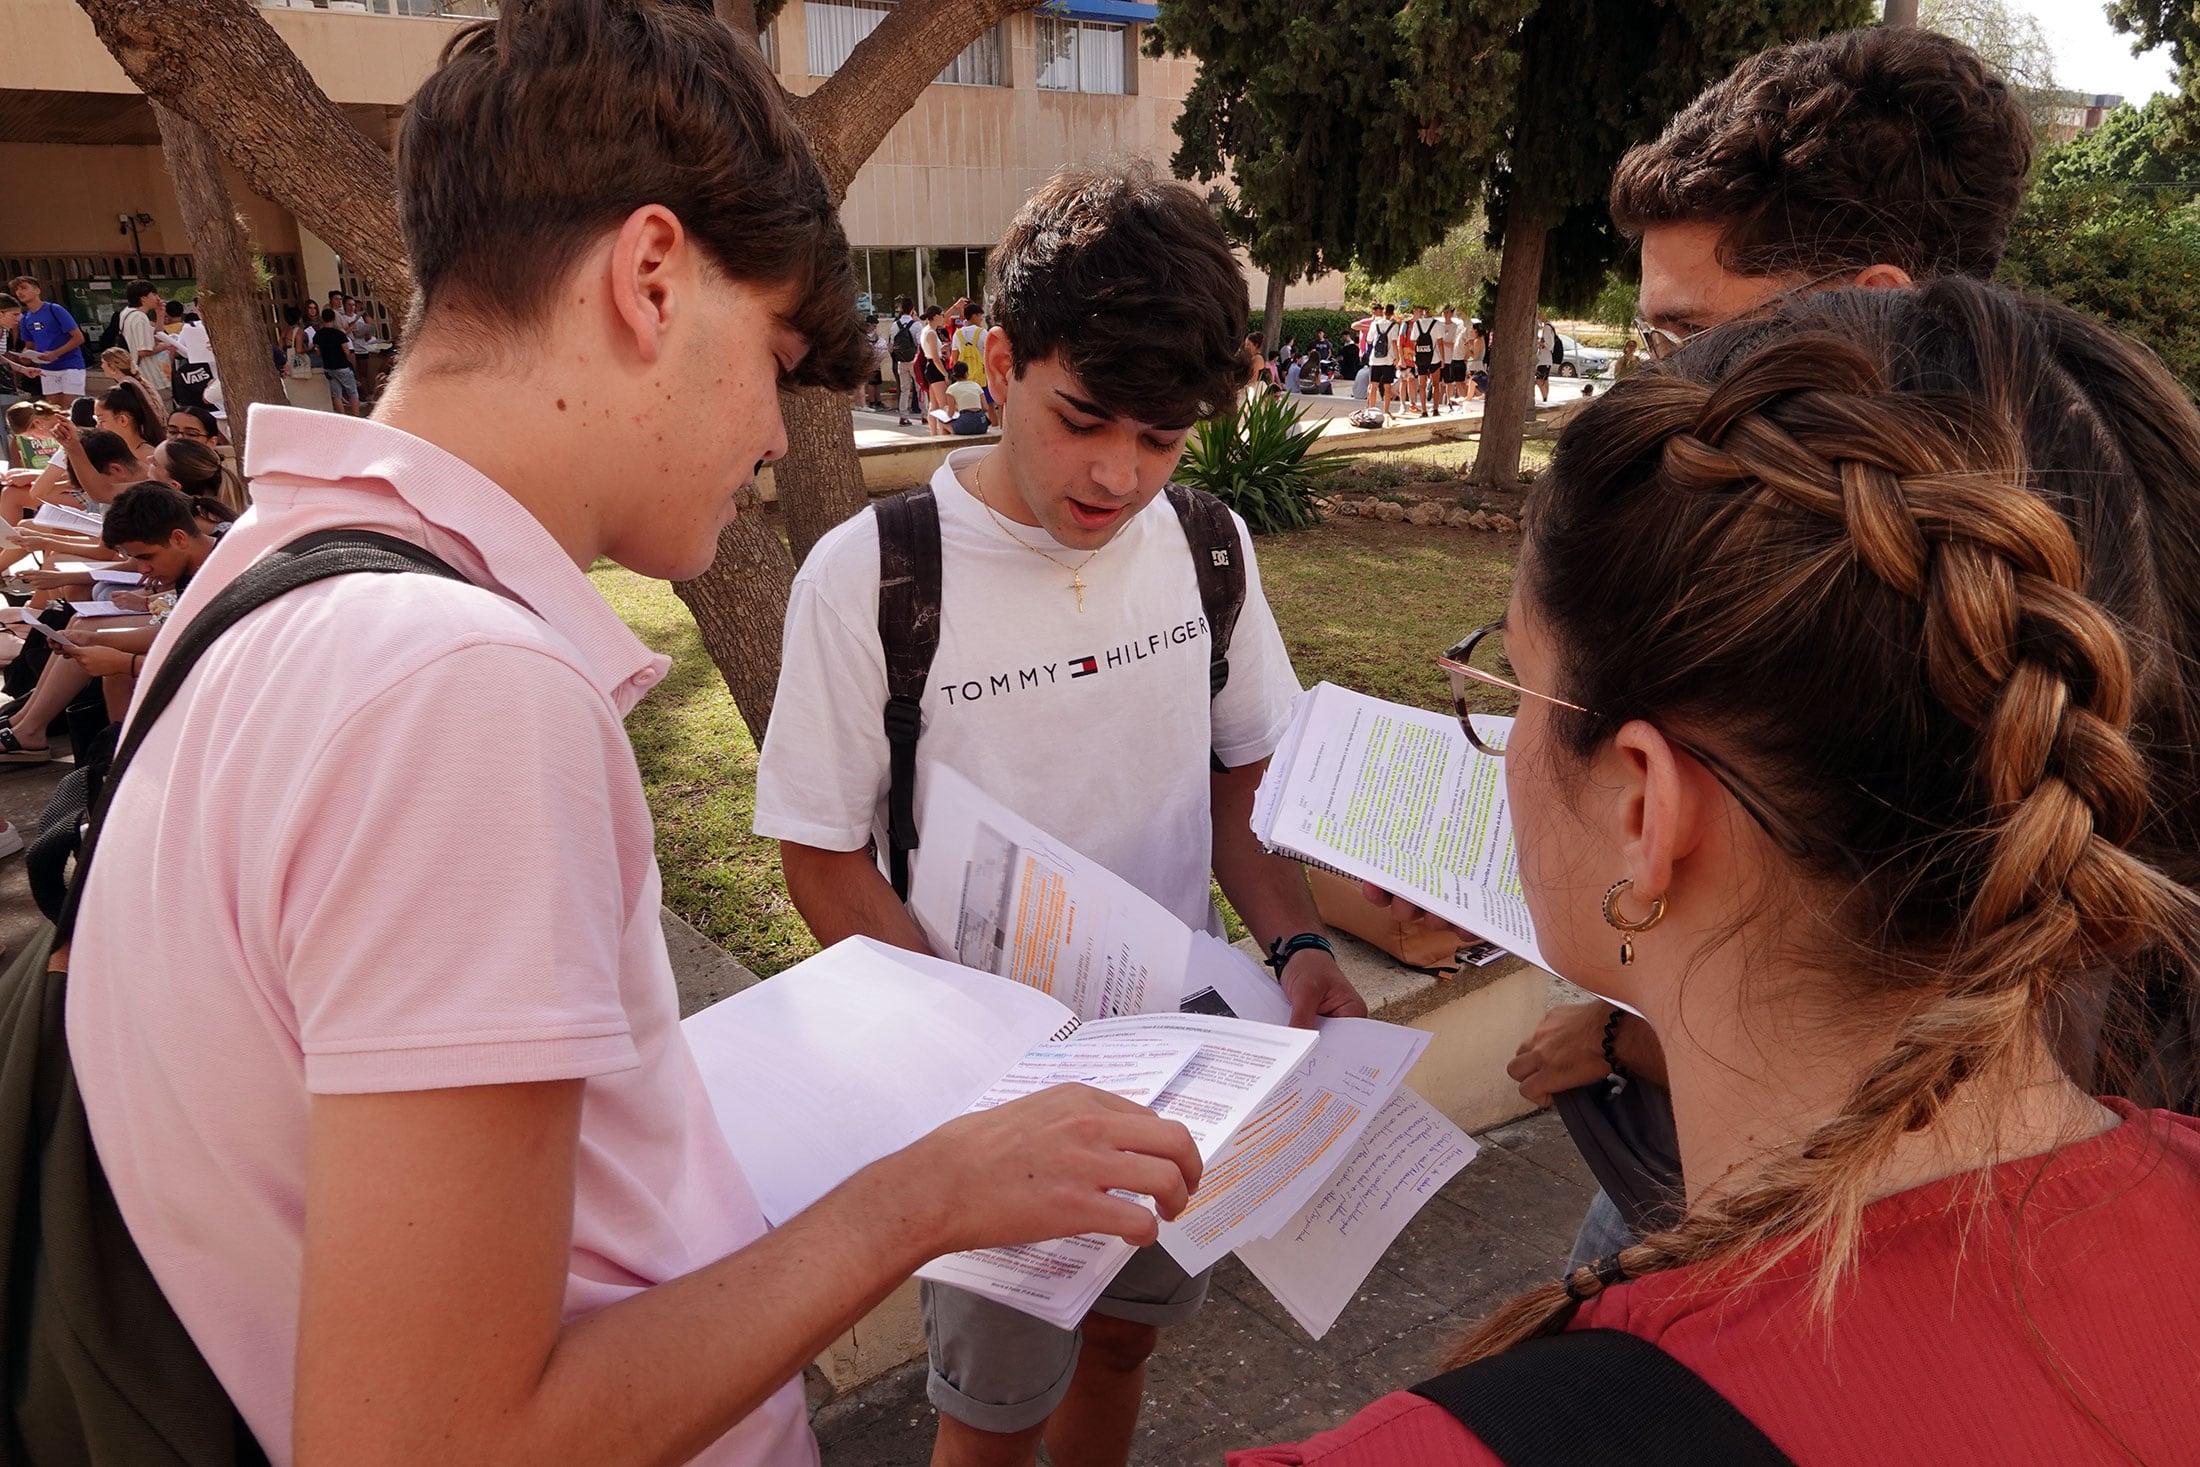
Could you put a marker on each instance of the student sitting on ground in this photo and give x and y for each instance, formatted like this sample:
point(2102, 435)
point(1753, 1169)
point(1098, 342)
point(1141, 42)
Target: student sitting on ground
point(1872, 944)
point(199, 472)
point(128, 409)
point(154, 527)
point(197, 424)
point(966, 402)
point(407, 1130)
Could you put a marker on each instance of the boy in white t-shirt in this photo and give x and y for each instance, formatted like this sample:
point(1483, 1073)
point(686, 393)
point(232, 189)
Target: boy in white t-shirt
point(1071, 682)
point(407, 1128)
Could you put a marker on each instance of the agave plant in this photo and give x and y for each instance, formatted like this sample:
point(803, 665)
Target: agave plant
point(1255, 460)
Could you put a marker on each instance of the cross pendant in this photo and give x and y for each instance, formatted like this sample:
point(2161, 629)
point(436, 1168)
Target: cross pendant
point(1077, 584)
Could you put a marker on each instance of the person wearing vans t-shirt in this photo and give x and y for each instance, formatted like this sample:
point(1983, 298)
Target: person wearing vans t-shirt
point(1071, 682)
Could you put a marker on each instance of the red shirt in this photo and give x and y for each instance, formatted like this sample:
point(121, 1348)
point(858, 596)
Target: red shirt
point(1929, 1358)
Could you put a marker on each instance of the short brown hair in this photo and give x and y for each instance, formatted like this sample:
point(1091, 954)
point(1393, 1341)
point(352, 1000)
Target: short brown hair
point(1128, 276)
point(1895, 146)
point(546, 127)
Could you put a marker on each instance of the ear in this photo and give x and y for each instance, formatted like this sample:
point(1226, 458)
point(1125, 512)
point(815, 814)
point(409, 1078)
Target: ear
point(1884, 277)
point(650, 258)
point(1000, 364)
point(1661, 803)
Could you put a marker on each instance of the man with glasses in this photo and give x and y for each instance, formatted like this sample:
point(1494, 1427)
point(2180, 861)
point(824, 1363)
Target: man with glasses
point(1908, 162)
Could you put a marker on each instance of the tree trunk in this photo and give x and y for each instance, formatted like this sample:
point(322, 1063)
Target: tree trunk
point(740, 606)
point(739, 16)
point(1512, 347)
point(1901, 12)
point(1271, 318)
point(820, 481)
point(229, 293)
point(220, 64)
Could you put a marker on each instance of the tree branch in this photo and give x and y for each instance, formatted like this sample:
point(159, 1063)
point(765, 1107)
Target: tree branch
point(739, 16)
point(849, 116)
point(270, 120)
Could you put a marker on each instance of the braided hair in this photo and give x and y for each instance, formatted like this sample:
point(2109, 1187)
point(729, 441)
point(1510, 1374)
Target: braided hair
point(1923, 500)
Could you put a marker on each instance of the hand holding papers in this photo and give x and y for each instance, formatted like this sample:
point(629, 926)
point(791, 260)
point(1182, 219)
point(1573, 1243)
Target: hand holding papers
point(1398, 797)
point(994, 891)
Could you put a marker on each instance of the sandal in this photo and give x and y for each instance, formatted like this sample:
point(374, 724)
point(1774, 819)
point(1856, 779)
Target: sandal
point(12, 750)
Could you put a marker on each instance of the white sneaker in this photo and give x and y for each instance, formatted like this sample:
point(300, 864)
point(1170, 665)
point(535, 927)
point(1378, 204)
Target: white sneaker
point(11, 840)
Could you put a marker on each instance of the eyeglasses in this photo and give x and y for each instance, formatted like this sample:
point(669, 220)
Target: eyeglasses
point(1460, 663)
point(192, 431)
point(1661, 343)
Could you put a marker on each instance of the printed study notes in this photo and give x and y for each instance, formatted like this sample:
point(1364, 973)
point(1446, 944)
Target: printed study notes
point(859, 1051)
point(1397, 796)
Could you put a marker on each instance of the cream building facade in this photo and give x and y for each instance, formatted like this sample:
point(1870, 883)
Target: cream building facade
point(86, 194)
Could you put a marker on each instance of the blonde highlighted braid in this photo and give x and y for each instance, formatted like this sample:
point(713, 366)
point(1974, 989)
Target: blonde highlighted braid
point(1851, 495)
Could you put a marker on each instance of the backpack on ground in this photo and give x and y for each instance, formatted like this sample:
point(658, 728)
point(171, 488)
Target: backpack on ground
point(1599, 1395)
point(909, 598)
point(904, 348)
point(99, 1370)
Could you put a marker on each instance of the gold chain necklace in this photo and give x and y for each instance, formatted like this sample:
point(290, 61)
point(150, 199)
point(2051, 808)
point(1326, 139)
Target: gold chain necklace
point(1076, 572)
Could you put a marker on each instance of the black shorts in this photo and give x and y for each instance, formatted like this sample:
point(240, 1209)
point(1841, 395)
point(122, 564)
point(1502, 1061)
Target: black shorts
point(1455, 371)
point(1543, 373)
point(1424, 362)
point(1383, 375)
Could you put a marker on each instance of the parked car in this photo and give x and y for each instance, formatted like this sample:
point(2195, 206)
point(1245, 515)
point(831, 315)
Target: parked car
point(1576, 360)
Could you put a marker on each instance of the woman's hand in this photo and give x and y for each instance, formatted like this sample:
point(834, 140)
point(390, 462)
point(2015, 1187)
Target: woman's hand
point(1409, 914)
point(100, 661)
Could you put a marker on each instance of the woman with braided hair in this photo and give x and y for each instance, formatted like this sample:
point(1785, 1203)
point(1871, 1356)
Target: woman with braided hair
point(1852, 659)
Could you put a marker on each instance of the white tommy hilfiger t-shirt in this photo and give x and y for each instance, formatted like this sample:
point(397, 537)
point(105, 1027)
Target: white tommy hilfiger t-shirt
point(1096, 726)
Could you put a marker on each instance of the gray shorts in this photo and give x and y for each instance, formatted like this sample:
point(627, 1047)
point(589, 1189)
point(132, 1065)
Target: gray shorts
point(343, 384)
point(998, 1369)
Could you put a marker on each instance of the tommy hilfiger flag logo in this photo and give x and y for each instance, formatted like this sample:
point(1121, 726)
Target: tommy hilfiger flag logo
point(1084, 666)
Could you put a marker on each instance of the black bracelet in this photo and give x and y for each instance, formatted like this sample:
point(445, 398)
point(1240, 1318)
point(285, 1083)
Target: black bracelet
point(1283, 949)
point(1620, 1073)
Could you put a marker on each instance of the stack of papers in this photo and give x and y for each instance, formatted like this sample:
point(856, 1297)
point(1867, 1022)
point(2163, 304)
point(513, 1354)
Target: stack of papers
point(67, 517)
point(1315, 1153)
point(1396, 796)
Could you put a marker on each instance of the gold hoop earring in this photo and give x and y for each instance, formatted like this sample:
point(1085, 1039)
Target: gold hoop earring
point(1626, 928)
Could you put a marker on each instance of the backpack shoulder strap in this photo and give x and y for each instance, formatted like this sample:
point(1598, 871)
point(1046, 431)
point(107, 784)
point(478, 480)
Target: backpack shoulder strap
point(1218, 563)
point(909, 635)
point(1598, 1395)
point(300, 563)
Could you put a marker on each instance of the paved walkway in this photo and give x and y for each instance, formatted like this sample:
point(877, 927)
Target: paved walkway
point(1242, 1374)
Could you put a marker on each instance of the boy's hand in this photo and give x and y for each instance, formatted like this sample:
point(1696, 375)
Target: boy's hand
point(1409, 914)
point(1044, 1166)
point(1318, 989)
point(97, 660)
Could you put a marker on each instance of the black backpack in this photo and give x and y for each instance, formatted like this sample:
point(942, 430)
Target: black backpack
point(909, 629)
point(904, 348)
point(98, 1369)
point(1599, 1396)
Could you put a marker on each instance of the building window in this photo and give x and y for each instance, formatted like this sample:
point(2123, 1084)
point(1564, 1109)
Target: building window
point(767, 41)
point(983, 63)
point(837, 27)
point(1083, 56)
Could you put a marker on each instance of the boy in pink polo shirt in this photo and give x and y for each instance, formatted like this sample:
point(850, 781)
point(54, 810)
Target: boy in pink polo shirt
point(369, 1002)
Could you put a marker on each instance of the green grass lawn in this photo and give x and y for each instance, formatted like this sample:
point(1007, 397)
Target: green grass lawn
point(1361, 603)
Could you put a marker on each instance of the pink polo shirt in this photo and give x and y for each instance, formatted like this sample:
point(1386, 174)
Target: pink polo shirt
point(391, 837)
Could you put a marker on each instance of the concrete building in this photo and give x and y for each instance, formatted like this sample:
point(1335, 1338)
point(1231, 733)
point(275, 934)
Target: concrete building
point(89, 203)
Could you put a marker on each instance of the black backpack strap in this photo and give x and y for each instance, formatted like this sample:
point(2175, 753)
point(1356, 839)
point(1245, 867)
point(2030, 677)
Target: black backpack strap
point(1218, 564)
point(1599, 1395)
point(300, 563)
point(909, 635)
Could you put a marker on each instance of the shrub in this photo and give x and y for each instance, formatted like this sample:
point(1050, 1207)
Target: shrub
point(1300, 324)
point(2128, 257)
point(1254, 460)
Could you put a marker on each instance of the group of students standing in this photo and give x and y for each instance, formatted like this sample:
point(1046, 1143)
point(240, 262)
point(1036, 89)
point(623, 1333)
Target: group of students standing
point(406, 1129)
point(939, 367)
